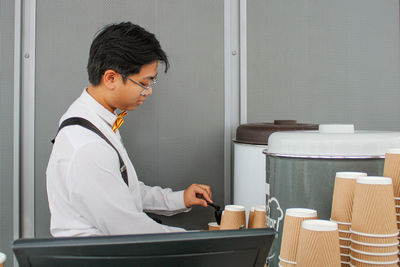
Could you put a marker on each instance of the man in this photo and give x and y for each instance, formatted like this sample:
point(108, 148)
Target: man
point(92, 185)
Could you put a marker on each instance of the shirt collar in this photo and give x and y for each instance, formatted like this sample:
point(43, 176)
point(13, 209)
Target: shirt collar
point(99, 109)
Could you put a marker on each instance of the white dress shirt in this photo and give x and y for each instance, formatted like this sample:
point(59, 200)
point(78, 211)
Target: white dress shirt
point(86, 192)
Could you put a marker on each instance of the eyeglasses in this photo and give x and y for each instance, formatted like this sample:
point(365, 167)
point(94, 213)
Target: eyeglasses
point(150, 86)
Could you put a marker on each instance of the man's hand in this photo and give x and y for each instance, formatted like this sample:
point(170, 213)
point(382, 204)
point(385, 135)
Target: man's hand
point(190, 198)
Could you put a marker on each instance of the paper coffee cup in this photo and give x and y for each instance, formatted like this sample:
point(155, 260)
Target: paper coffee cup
point(345, 242)
point(344, 250)
point(233, 217)
point(379, 257)
point(344, 234)
point(374, 248)
point(251, 215)
point(392, 169)
point(373, 207)
point(213, 226)
point(318, 244)
point(3, 259)
point(344, 258)
point(384, 241)
point(291, 230)
point(343, 194)
point(364, 263)
point(286, 263)
point(259, 217)
point(359, 264)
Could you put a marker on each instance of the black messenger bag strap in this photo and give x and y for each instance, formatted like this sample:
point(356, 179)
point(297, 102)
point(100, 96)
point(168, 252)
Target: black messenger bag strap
point(88, 125)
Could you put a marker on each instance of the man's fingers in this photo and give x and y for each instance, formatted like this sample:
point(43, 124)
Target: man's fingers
point(205, 194)
point(198, 201)
point(207, 188)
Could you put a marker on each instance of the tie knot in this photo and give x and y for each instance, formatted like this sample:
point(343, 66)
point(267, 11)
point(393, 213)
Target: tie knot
point(122, 114)
point(119, 121)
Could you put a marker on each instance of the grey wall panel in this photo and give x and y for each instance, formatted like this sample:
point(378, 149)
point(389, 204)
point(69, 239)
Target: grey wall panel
point(176, 137)
point(6, 130)
point(324, 62)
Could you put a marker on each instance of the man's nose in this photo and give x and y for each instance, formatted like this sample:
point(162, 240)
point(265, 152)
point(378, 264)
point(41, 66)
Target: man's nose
point(148, 92)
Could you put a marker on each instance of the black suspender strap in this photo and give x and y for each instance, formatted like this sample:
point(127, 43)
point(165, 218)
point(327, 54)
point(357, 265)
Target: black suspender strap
point(88, 125)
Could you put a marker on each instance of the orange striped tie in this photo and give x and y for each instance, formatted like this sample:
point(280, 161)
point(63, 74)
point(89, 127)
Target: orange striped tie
point(119, 121)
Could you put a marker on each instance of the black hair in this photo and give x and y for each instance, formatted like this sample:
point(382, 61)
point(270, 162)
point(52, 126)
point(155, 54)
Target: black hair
point(124, 48)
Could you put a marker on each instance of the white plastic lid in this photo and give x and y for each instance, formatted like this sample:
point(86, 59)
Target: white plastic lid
point(3, 258)
point(333, 141)
point(260, 208)
point(319, 225)
point(299, 212)
point(374, 180)
point(350, 175)
point(234, 207)
point(393, 151)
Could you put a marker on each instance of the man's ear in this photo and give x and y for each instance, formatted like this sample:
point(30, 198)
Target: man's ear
point(111, 78)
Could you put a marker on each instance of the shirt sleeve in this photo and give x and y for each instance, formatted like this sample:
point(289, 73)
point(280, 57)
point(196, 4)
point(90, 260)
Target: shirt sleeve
point(99, 194)
point(162, 201)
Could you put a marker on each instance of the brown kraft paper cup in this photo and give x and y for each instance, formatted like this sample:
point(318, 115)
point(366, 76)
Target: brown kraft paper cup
point(392, 169)
point(344, 242)
point(374, 240)
point(344, 250)
point(3, 259)
point(373, 207)
point(358, 263)
point(318, 244)
point(251, 215)
point(386, 258)
point(233, 217)
point(285, 264)
point(259, 218)
point(343, 227)
point(344, 258)
point(291, 230)
point(344, 234)
point(343, 194)
point(213, 226)
point(374, 249)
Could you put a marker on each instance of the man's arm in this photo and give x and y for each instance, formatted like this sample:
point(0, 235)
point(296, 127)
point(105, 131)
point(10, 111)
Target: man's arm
point(102, 197)
point(166, 202)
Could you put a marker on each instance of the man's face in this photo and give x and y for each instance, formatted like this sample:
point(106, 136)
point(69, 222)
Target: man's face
point(129, 95)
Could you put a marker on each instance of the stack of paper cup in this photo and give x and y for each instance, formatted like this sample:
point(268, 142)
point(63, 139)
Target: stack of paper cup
point(342, 208)
point(374, 230)
point(392, 170)
point(290, 235)
point(233, 217)
point(318, 244)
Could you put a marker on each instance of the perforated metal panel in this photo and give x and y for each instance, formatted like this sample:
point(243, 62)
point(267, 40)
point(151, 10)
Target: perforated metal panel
point(6, 129)
point(324, 62)
point(176, 138)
